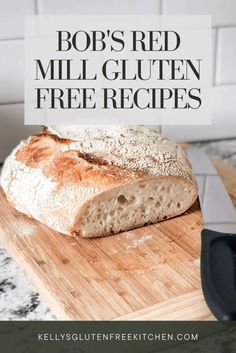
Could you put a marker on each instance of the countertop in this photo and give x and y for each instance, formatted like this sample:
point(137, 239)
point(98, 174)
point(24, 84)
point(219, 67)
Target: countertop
point(18, 298)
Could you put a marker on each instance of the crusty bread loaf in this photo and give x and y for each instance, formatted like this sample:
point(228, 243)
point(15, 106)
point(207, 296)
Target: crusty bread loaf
point(98, 181)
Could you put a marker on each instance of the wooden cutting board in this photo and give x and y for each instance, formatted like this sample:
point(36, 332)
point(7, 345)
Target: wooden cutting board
point(151, 273)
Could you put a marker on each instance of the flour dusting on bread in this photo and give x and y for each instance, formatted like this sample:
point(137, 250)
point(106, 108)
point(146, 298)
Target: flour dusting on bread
point(131, 147)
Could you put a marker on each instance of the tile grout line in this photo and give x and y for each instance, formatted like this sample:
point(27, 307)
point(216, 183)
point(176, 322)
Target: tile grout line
point(160, 7)
point(11, 103)
point(36, 6)
point(216, 57)
point(224, 84)
point(224, 26)
point(11, 39)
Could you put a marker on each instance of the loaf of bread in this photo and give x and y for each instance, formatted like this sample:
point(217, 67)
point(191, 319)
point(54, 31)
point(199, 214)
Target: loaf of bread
point(97, 181)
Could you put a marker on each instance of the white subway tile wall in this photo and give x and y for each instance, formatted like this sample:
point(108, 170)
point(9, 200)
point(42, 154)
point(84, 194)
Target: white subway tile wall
point(11, 71)
point(223, 103)
point(224, 54)
point(120, 7)
point(12, 127)
point(12, 17)
point(223, 11)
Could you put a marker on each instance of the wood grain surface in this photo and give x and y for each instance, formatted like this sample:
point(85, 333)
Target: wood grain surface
point(151, 273)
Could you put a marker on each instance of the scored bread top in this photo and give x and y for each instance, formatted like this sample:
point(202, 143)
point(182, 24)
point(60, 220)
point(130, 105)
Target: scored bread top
point(54, 157)
point(109, 155)
point(135, 148)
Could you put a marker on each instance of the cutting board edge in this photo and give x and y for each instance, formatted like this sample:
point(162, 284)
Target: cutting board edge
point(177, 307)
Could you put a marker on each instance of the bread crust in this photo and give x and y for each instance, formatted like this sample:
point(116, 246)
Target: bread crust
point(52, 178)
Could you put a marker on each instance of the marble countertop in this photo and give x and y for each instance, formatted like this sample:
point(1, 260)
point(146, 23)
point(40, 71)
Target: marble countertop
point(18, 298)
